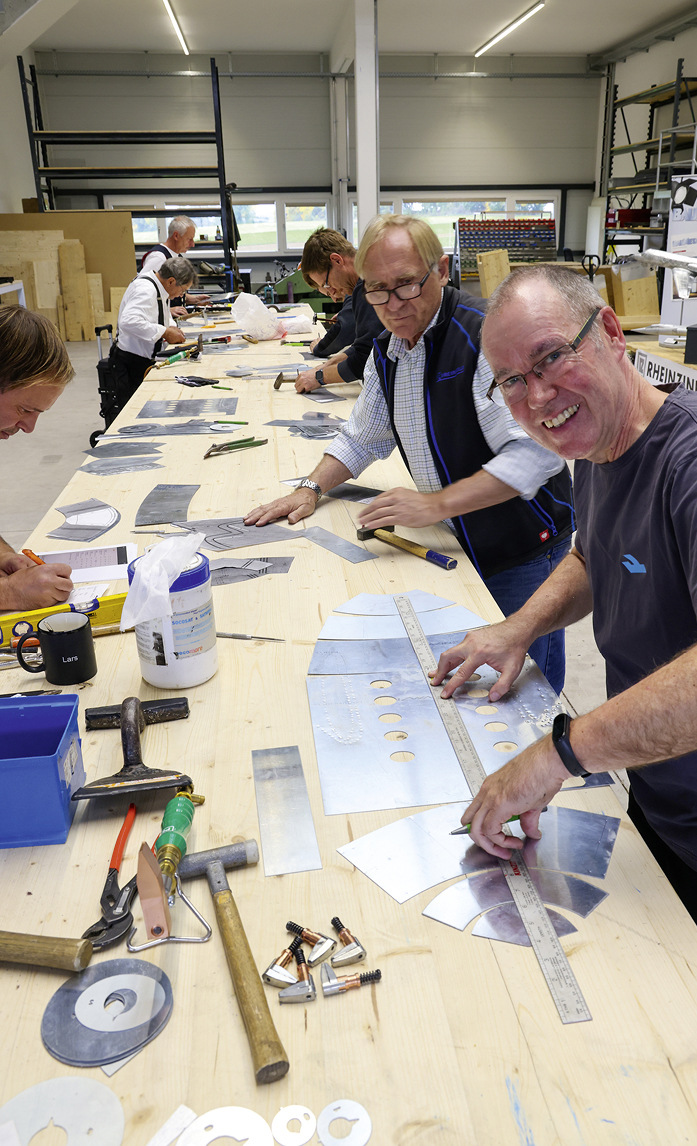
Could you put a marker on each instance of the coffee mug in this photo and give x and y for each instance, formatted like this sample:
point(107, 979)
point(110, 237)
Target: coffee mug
point(67, 648)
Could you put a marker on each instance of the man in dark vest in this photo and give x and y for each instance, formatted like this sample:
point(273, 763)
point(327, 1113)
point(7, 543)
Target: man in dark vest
point(425, 390)
point(180, 240)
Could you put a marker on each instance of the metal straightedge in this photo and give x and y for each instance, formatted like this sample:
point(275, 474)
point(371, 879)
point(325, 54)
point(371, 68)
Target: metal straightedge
point(87, 1111)
point(504, 923)
point(287, 830)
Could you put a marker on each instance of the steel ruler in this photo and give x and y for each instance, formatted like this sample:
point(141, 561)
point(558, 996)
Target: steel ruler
point(560, 979)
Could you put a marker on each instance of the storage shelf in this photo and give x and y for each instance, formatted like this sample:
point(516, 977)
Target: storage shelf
point(658, 95)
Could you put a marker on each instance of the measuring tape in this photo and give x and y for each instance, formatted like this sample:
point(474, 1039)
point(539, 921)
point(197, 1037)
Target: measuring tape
point(560, 979)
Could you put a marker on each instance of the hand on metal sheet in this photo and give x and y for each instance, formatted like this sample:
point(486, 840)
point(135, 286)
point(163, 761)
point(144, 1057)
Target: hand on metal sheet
point(306, 382)
point(522, 787)
point(173, 334)
point(501, 646)
point(402, 507)
point(301, 503)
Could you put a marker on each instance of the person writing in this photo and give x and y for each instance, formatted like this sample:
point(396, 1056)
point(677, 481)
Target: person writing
point(34, 371)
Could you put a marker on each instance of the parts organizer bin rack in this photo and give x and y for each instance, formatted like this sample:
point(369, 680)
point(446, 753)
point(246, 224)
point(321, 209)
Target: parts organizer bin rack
point(526, 240)
point(40, 768)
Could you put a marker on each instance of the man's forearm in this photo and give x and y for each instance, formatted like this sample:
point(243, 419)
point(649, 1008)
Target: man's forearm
point(644, 724)
point(478, 491)
point(330, 472)
point(563, 598)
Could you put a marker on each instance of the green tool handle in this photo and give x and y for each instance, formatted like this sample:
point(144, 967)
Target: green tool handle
point(176, 824)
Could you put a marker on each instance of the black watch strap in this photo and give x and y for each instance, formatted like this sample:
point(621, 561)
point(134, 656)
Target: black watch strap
point(560, 740)
point(319, 376)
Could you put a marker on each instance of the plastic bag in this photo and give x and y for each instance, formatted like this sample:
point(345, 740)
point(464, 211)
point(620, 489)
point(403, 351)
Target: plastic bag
point(148, 595)
point(255, 319)
point(297, 324)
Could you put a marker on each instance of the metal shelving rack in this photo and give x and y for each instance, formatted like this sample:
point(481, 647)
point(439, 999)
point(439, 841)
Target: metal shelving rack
point(659, 148)
point(48, 175)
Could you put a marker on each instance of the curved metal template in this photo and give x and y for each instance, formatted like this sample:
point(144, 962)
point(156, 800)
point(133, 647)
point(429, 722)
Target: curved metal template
point(462, 902)
point(86, 520)
point(385, 628)
point(417, 852)
point(382, 604)
point(504, 923)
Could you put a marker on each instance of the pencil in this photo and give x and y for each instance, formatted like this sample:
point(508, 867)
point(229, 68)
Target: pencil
point(32, 557)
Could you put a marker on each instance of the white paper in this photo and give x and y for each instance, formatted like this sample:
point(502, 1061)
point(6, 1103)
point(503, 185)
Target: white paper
point(101, 563)
point(88, 593)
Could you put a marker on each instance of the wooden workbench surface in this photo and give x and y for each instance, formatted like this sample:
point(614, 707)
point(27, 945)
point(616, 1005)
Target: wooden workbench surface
point(460, 1043)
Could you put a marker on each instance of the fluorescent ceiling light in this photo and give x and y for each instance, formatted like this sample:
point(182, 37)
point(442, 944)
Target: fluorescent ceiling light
point(175, 25)
point(508, 29)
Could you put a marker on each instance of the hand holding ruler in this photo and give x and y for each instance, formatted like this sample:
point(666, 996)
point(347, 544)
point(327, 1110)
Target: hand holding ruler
point(560, 979)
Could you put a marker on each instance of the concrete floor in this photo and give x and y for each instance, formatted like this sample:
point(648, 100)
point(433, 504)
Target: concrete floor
point(36, 467)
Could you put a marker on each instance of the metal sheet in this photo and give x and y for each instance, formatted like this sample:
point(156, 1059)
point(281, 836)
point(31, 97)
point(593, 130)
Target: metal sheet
point(462, 902)
point(356, 750)
point(504, 923)
point(165, 503)
point(286, 827)
point(348, 491)
point(170, 429)
point(234, 1123)
point(332, 657)
point(413, 854)
point(231, 532)
point(87, 1111)
point(382, 604)
point(232, 570)
point(107, 467)
point(116, 449)
point(343, 628)
point(86, 520)
point(183, 407)
point(323, 396)
point(337, 545)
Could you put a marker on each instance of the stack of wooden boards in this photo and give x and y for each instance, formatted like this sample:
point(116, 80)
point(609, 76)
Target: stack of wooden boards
point(52, 269)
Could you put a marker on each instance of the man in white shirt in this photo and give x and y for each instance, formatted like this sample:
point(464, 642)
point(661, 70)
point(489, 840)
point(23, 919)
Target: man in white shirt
point(145, 322)
point(180, 239)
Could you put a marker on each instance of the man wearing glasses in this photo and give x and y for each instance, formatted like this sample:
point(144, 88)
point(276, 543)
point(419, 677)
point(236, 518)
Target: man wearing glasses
point(425, 391)
point(559, 362)
point(328, 265)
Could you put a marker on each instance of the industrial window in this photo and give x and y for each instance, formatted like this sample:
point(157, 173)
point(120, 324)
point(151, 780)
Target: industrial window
point(301, 220)
point(207, 225)
point(537, 209)
point(257, 226)
point(385, 209)
point(443, 214)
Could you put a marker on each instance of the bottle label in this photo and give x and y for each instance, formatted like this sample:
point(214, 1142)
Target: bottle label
point(193, 633)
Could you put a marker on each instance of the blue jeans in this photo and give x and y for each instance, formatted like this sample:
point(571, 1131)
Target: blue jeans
point(511, 590)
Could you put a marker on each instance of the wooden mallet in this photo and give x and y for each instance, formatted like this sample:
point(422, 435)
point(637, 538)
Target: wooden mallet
point(387, 535)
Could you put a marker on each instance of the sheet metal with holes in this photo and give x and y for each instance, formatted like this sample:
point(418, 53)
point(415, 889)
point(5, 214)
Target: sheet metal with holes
point(462, 902)
point(352, 628)
point(418, 852)
point(183, 407)
point(362, 731)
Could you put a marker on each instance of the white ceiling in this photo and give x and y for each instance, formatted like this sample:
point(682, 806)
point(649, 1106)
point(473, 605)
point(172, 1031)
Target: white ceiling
point(450, 27)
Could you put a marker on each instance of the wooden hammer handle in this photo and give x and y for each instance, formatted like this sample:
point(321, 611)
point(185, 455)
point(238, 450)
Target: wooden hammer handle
point(45, 951)
point(416, 549)
point(268, 1056)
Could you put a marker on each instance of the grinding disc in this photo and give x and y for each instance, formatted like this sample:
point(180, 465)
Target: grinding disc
point(87, 1111)
point(106, 1013)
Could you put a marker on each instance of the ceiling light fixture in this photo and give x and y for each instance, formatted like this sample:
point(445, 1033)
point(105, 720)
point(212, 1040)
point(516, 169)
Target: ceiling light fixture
point(175, 25)
point(508, 29)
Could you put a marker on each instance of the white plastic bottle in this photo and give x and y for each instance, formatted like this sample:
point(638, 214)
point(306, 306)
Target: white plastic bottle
point(181, 651)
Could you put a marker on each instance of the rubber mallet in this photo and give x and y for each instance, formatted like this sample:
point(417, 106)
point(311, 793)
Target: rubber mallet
point(268, 1056)
point(387, 535)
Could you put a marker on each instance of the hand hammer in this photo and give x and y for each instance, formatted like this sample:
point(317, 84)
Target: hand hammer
point(386, 534)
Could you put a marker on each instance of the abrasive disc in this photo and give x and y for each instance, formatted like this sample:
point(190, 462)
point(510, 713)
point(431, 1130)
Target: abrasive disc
point(107, 1012)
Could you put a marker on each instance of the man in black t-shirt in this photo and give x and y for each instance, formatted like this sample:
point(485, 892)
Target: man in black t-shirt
point(560, 364)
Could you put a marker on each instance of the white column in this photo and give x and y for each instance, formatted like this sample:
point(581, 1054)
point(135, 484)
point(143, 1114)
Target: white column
point(367, 126)
point(340, 152)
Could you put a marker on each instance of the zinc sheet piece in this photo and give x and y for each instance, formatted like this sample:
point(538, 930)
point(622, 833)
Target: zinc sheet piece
point(462, 902)
point(287, 831)
point(165, 503)
point(337, 657)
point(383, 604)
point(348, 628)
point(338, 545)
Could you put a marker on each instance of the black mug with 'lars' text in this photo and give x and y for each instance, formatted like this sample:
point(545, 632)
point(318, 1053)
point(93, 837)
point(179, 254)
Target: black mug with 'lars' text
point(67, 648)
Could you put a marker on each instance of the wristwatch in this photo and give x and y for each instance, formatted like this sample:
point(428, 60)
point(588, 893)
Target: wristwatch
point(560, 740)
point(307, 484)
point(319, 376)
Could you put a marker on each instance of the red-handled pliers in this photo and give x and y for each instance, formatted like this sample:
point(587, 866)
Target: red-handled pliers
point(116, 919)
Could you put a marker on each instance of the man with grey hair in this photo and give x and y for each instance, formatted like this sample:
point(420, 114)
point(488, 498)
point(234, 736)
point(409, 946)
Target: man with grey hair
point(181, 233)
point(145, 322)
point(560, 365)
point(425, 384)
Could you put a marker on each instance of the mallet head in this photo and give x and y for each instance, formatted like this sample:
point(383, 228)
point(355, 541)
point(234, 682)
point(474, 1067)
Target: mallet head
point(366, 534)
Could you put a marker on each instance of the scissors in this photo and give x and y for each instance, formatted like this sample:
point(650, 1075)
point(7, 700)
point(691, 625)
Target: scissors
point(116, 919)
point(591, 264)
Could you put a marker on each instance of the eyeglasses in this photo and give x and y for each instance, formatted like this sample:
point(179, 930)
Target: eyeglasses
point(550, 368)
point(403, 292)
point(325, 285)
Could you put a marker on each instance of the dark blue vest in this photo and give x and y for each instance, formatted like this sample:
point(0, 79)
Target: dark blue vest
point(500, 536)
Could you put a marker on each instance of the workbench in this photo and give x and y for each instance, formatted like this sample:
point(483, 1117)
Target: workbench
point(460, 1042)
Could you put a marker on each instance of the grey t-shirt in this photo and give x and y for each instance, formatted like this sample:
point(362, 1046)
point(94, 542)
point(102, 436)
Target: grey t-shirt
point(637, 530)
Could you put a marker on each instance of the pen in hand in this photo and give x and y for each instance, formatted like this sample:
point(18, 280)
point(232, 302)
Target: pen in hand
point(32, 557)
point(466, 827)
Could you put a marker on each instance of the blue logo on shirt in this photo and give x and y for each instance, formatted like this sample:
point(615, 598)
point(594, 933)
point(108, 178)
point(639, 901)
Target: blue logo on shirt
point(632, 564)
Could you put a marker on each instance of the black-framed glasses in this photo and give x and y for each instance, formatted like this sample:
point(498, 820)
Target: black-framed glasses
point(512, 390)
point(325, 285)
point(403, 292)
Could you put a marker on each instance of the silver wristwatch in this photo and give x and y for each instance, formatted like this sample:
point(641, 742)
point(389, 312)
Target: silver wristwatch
point(307, 484)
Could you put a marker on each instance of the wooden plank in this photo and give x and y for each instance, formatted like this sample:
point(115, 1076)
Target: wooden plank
point(21, 245)
point(95, 289)
point(25, 272)
point(634, 295)
point(76, 300)
point(115, 296)
point(60, 314)
point(47, 282)
point(493, 268)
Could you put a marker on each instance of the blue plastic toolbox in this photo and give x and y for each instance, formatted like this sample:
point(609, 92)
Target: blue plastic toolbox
point(40, 768)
